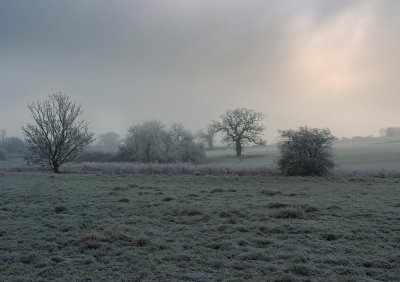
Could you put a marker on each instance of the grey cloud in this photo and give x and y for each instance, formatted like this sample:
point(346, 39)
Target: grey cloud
point(186, 61)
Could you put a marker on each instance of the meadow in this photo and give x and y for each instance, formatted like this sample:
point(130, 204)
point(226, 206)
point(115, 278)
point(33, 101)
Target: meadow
point(222, 221)
point(375, 153)
point(132, 227)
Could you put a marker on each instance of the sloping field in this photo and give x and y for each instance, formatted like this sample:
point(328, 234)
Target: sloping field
point(118, 227)
point(367, 153)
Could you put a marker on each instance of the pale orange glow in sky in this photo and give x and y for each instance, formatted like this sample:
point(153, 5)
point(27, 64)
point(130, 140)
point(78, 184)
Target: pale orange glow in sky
point(328, 57)
point(320, 63)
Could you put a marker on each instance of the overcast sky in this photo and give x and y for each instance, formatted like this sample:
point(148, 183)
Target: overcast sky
point(319, 63)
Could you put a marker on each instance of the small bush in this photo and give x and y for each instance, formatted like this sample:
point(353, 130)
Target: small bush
point(306, 151)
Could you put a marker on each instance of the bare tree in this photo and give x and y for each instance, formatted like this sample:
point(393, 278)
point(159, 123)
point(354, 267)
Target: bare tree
point(208, 136)
point(306, 151)
point(108, 142)
point(143, 142)
point(240, 126)
point(14, 146)
point(2, 137)
point(390, 131)
point(151, 141)
point(57, 136)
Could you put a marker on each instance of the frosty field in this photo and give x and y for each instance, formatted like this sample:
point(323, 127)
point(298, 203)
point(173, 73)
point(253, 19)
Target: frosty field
point(377, 153)
point(130, 227)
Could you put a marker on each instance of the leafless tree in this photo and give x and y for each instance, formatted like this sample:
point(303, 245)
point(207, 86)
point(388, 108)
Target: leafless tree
point(208, 136)
point(2, 136)
point(241, 126)
point(143, 142)
point(151, 141)
point(108, 142)
point(390, 131)
point(56, 136)
point(306, 151)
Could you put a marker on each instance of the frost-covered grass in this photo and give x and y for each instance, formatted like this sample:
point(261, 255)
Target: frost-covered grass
point(133, 227)
point(381, 153)
point(177, 168)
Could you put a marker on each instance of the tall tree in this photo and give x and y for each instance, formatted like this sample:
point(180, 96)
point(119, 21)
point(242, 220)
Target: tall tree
point(57, 135)
point(241, 126)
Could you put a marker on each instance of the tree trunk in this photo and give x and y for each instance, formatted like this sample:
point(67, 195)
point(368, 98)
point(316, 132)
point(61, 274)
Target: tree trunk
point(238, 149)
point(56, 168)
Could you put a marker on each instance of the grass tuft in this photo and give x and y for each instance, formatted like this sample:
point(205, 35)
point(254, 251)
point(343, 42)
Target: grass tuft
point(290, 213)
point(60, 208)
point(330, 236)
point(271, 192)
point(277, 205)
point(167, 199)
point(191, 212)
point(124, 200)
point(217, 190)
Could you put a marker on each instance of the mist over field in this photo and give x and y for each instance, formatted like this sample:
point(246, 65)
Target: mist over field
point(318, 63)
point(199, 140)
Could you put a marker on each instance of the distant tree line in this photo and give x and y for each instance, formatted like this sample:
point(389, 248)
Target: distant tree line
point(153, 141)
point(390, 131)
point(58, 136)
point(11, 147)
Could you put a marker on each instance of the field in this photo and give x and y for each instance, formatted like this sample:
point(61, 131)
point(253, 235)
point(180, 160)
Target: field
point(368, 153)
point(230, 219)
point(132, 227)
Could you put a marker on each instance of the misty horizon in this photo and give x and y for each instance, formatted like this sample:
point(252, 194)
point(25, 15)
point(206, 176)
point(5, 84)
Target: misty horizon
point(328, 64)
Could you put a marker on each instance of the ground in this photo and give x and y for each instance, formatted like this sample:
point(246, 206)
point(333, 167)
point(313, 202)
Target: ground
point(130, 227)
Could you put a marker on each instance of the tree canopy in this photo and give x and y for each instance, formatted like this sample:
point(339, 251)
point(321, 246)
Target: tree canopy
point(241, 126)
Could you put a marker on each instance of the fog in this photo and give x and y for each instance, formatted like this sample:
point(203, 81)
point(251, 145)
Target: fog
point(318, 63)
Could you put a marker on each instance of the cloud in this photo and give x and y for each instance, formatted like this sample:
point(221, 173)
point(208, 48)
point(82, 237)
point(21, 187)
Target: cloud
point(320, 63)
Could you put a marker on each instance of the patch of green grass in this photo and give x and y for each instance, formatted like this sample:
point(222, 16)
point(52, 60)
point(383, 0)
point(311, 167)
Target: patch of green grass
point(197, 228)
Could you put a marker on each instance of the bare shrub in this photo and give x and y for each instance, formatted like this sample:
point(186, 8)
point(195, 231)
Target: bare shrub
point(151, 142)
point(306, 151)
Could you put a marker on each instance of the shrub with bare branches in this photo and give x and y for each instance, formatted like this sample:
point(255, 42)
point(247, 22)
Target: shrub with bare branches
point(306, 151)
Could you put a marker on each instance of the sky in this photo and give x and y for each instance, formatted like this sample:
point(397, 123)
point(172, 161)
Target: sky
point(328, 64)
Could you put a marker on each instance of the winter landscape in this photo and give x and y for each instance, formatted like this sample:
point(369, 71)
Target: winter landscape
point(199, 140)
